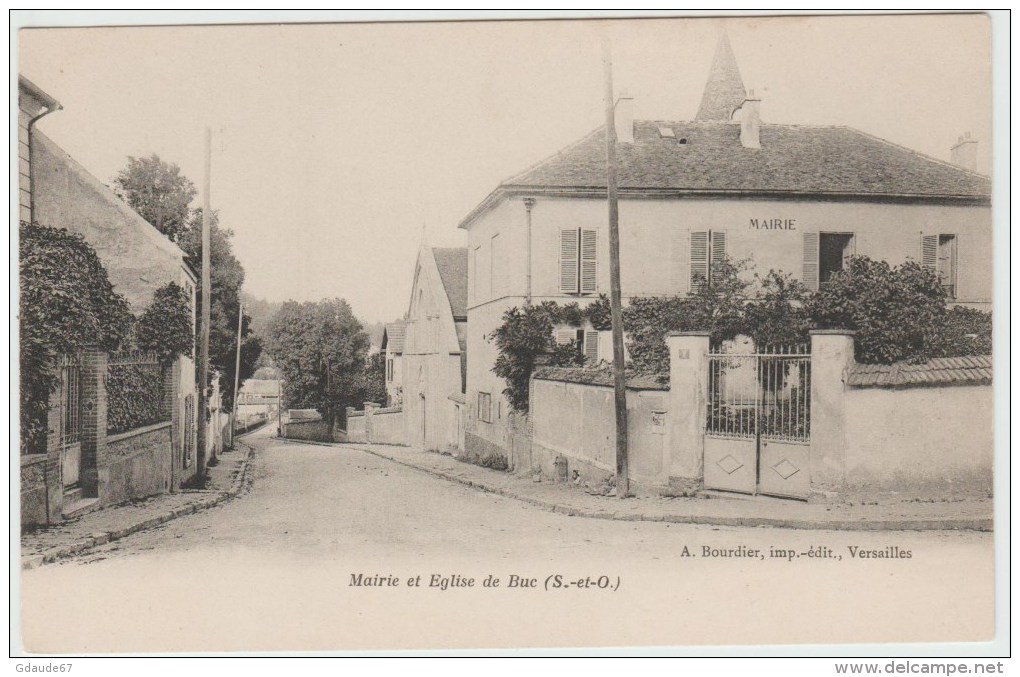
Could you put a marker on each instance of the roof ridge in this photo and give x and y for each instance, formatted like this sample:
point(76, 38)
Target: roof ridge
point(915, 152)
point(150, 231)
point(561, 151)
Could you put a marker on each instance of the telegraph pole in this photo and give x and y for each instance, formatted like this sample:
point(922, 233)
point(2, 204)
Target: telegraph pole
point(237, 375)
point(203, 336)
point(616, 312)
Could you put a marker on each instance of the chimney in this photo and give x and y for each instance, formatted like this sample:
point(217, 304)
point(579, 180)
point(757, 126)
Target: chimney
point(624, 118)
point(750, 121)
point(964, 153)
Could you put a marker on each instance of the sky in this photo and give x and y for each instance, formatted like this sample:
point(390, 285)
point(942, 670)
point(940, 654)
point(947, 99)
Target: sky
point(338, 149)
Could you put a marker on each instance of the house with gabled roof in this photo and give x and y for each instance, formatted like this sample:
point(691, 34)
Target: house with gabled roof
point(393, 350)
point(434, 347)
point(794, 198)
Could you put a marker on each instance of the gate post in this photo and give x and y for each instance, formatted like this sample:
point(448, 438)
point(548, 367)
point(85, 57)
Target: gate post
point(688, 381)
point(94, 470)
point(832, 353)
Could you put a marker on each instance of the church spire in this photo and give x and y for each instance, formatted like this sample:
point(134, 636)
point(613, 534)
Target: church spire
point(724, 90)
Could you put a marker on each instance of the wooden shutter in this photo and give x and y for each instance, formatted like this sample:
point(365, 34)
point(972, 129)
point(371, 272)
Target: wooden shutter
point(564, 336)
point(718, 254)
point(568, 260)
point(929, 252)
point(589, 261)
point(591, 347)
point(810, 277)
point(699, 259)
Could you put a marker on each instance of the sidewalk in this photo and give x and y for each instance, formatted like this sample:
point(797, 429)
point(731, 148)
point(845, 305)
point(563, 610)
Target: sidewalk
point(872, 514)
point(80, 534)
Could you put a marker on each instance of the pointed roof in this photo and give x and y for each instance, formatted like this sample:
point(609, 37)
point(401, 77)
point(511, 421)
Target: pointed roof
point(724, 91)
point(393, 337)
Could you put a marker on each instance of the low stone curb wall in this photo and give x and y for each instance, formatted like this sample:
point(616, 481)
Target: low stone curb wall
point(207, 499)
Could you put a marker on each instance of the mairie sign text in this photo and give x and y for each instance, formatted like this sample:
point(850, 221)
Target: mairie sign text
point(772, 224)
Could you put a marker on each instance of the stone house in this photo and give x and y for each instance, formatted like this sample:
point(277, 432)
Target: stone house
point(795, 198)
point(56, 191)
point(434, 359)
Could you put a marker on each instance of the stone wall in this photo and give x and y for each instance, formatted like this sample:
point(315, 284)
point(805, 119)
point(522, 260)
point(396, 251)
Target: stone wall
point(138, 463)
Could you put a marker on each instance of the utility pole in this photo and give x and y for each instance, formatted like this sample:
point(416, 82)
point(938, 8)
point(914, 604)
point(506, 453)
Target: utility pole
point(203, 336)
point(616, 312)
point(279, 406)
point(237, 374)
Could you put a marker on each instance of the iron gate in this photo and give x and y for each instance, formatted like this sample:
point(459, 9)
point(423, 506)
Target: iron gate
point(758, 423)
point(70, 420)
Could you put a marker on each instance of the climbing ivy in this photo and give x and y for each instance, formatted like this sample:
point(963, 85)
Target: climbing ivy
point(66, 304)
point(165, 326)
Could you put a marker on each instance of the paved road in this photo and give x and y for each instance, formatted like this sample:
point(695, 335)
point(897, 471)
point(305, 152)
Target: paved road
point(272, 570)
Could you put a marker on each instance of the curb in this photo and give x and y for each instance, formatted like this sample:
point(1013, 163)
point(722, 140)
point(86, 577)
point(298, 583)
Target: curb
point(102, 538)
point(961, 524)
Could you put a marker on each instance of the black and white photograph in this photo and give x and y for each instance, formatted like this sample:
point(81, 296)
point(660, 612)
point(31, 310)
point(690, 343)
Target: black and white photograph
point(512, 334)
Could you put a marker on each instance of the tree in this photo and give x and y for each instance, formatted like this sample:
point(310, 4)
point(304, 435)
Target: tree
point(226, 277)
point(371, 381)
point(716, 308)
point(896, 312)
point(67, 303)
point(165, 327)
point(775, 315)
point(526, 336)
point(158, 192)
point(320, 349)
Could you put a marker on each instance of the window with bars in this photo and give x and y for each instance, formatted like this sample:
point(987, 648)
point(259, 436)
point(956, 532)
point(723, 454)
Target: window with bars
point(938, 254)
point(708, 253)
point(578, 261)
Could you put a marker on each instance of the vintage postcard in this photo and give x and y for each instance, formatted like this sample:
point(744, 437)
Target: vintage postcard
point(536, 335)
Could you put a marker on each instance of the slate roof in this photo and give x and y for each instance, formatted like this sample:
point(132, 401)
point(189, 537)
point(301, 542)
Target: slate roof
point(707, 158)
point(724, 90)
point(974, 370)
point(393, 336)
point(793, 158)
point(453, 271)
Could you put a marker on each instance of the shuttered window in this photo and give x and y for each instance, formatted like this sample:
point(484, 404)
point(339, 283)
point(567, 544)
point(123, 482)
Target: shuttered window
point(569, 260)
point(591, 347)
point(929, 251)
point(718, 255)
point(589, 261)
point(826, 254)
point(938, 254)
point(708, 253)
point(585, 341)
point(578, 261)
point(810, 276)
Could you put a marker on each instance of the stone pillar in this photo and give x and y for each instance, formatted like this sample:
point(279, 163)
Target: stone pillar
point(52, 470)
point(832, 353)
point(370, 408)
point(172, 383)
point(94, 468)
point(688, 381)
